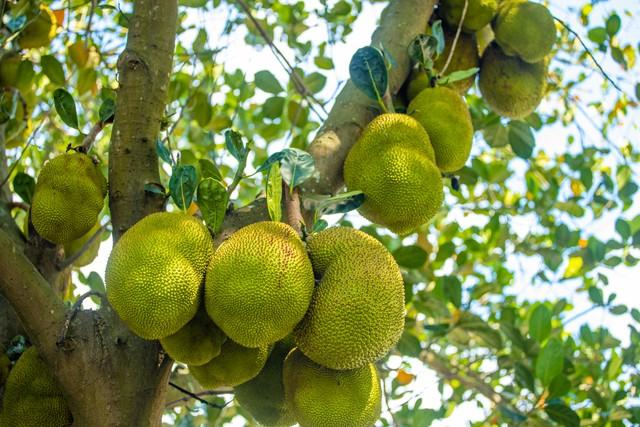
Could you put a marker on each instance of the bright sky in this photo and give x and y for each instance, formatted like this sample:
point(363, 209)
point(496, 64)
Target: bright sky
point(552, 139)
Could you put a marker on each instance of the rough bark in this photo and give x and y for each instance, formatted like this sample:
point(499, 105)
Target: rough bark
point(400, 22)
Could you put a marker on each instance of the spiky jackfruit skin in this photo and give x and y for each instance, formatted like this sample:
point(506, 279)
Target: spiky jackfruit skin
point(393, 165)
point(87, 257)
point(320, 396)
point(510, 86)
point(465, 57)
point(479, 13)
point(263, 396)
point(155, 272)
point(233, 366)
point(68, 197)
point(197, 342)
point(357, 312)
point(40, 29)
point(32, 398)
point(259, 284)
point(525, 29)
point(446, 118)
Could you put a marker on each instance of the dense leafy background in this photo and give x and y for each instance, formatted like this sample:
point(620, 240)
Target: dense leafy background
point(521, 298)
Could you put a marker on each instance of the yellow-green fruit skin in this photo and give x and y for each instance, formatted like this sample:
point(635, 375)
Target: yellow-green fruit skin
point(446, 118)
point(263, 396)
point(68, 197)
point(39, 31)
point(323, 397)
point(233, 366)
point(479, 13)
point(259, 284)
point(155, 272)
point(32, 398)
point(510, 86)
point(357, 312)
point(196, 343)
point(392, 163)
point(525, 29)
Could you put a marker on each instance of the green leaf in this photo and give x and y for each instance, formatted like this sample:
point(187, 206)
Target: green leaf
point(274, 192)
point(574, 267)
point(107, 110)
point(213, 200)
point(562, 414)
point(453, 290)
point(266, 81)
point(273, 107)
point(638, 91)
point(24, 186)
point(423, 49)
point(297, 114)
point(319, 225)
point(163, 152)
point(193, 3)
point(521, 139)
point(618, 310)
point(182, 185)
point(623, 228)
point(369, 73)
point(234, 144)
point(296, 166)
point(412, 256)
point(550, 361)
point(66, 107)
point(457, 76)
point(315, 82)
point(613, 25)
point(409, 345)
point(540, 323)
point(480, 329)
point(595, 295)
point(524, 376)
point(496, 135)
point(323, 62)
point(597, 35)
point(438, 33)
point(208, 169)
point(52, 68)
point(341, 203)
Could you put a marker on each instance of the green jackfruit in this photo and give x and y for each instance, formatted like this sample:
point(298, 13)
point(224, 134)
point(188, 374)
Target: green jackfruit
point(357, 311)
point(259, 284)
point(510, 86)
point(233, 366)
point(323, 397)
point(155, 272)
point(68, 197)
point(393, 165)
point(445, 116)
point(263, 396)
point(197, 342)
point(525, 29)
point(32, 398)
point(465, 57)
point(40, 29)
point(479, 13)
point(87, 257)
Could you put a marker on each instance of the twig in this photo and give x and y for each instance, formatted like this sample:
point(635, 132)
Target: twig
point(202, 393)
point(63, 264)
point(19, 205)
point(196, 397)
point(578, 315)
point(87, 34)
point(604, 74)
point(24, 151)
point(455, 39)
point(88, 140)
point(385, 395)
point(293, 213)
point(72, 314)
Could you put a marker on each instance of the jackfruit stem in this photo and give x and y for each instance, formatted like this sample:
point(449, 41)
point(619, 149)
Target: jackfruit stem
point(293, 212)
point(88, 140)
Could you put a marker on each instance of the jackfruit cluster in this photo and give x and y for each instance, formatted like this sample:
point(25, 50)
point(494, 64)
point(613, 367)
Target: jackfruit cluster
point(32, 398)
point(68, 198)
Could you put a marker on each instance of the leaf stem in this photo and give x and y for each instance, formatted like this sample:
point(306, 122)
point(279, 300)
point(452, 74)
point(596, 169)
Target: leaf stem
point(455, 39)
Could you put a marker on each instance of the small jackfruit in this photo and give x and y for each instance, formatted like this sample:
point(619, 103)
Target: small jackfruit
point(393, 164)
point(320, 396)
point(40, 29)
point(446, 118)
point(263, 396)
point(68, 197)
point(357, 311)
point(197, 342)
point(479, 13)
point(233, 366)
point(259, 284)
point(465, 56)
point(91, 252)
point(525, 29)
point(510, 86)
point(32, 397)
point(155, 272)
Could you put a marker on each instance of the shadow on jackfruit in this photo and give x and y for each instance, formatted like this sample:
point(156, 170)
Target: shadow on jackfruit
point(479, 13)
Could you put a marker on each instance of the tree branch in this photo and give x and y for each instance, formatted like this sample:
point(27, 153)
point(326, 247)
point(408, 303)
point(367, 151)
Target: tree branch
point(292, 208)
point(236, 219)
point(197, 396)
point(400, 23)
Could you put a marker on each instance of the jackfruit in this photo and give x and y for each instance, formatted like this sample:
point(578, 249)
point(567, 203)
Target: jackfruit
point(68, 197)
point(32, 397)
point(479, 13)
point(233, 366)
point(40, 29)
point(393, 164)
point(465, 57)
point(197, 342)
point(445, 116)
point(525, 29)
point(320, 396)
point(510, 86)
point(155, 272)
point(259, 284)
point(263, 396)
point(87, 257)
point(357, 311)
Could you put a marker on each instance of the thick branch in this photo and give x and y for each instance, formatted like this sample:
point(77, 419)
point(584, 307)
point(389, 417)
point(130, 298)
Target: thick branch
point(144, 69)
point(235, 220)
point(400, 23)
